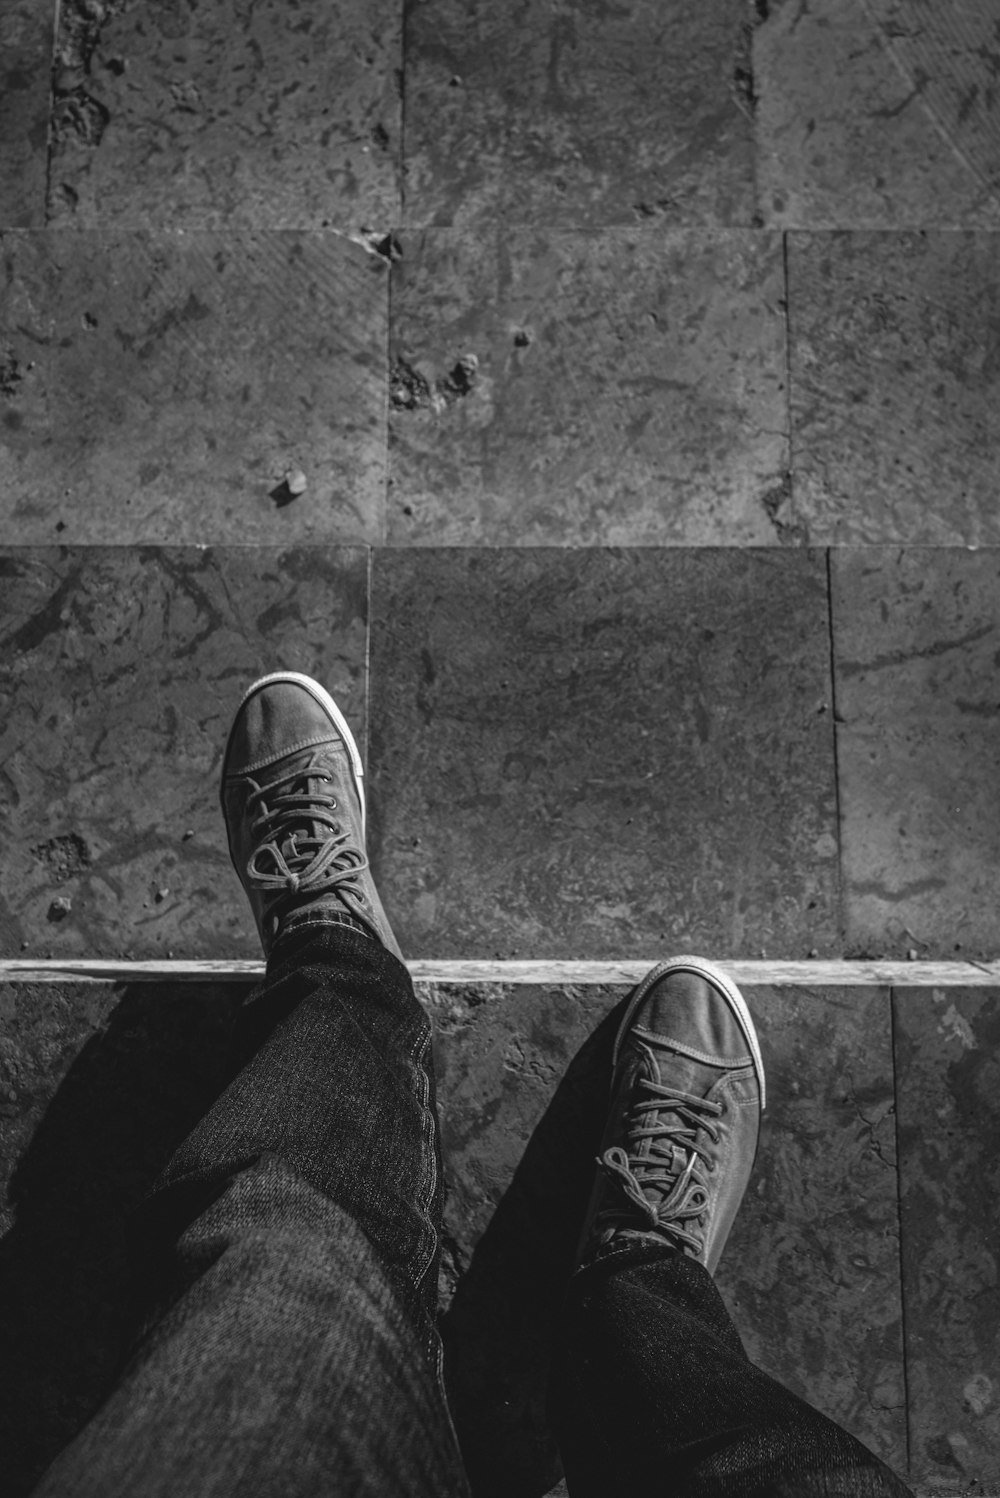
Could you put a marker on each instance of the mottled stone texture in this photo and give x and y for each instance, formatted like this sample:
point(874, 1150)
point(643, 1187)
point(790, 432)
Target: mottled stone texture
point(593, 753)
point(97, 1086)
point(947, 1049)
point(162, 384)
point(950, 55)
point(26, 28)
point(120, 671)
point(618, 388)
point(811, 1273)
point(895, 386)
point(916, 638)
point(577, 114)
point(279, 114)
point(877, 114)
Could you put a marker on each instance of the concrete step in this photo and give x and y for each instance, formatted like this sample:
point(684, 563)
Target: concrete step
point(867, 1230)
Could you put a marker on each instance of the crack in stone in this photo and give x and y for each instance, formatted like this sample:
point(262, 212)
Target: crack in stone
point(76, 110)
point(777, 502)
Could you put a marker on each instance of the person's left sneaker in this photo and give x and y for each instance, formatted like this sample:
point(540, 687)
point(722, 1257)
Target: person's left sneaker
point(686, 1099)
point(293, 799)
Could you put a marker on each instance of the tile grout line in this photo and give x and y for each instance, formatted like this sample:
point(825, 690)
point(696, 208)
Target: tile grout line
point(790, 470)
point(402, 113)
point(387, 339)
point(383, 528)
point(907, 1432)
point(834, 730)
point(50, 123)
point(368, 659)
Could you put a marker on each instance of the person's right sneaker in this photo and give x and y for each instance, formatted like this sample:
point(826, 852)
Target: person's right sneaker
point(686, 1099)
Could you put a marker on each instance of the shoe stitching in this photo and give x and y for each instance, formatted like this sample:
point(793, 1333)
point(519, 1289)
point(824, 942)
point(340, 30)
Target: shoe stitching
point(296, 923)
point(260, 764)
point(711, 1057)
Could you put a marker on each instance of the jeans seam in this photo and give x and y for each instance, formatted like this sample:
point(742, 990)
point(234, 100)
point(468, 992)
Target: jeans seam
point(427, 1187)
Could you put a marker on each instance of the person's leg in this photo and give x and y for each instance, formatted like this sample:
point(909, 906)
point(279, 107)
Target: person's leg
point(291, 1246)
point(652, 1390)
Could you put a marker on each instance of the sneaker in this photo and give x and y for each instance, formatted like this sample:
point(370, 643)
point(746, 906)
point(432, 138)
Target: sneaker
point(294, 803)
point(687, 1094)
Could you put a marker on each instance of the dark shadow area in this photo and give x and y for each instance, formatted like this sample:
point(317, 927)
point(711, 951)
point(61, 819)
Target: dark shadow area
point(160, 1056)
point(498, 1330)
point(134, 1091)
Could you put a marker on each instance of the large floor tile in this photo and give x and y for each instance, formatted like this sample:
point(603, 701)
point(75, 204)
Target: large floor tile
point(895, 386)
point(120, 671)
point(165, 383)
point(811, 1273)
point(916, 637)
point(26, 42)
point(577, 116)
point(593, 753)
point(267, 115)
point(947, 1049)
point(876, 114)
point(948, 54)
point(620, 388)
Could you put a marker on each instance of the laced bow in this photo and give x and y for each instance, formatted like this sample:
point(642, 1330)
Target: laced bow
point(663, 1186)
point(290, 854)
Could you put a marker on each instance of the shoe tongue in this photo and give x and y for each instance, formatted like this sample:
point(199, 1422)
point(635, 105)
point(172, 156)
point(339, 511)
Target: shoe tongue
point(675, 1159)
point(687, 1074)
point(288, 846)
point(299, 828)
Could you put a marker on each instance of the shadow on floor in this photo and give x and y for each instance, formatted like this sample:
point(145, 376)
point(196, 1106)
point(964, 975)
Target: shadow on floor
point(499, 1327)
point(132, 1094)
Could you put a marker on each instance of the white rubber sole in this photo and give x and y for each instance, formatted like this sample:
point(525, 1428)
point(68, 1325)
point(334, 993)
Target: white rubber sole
point(322, 696)
point(721, 980)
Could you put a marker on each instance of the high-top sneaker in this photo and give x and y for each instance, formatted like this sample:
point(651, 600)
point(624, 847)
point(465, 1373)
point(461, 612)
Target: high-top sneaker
point(294, 802)
point(687, 1094)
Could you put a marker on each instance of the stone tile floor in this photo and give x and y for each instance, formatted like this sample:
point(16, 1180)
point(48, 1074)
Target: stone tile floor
point(643, 368)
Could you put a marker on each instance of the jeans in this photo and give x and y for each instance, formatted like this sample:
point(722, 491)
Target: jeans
point(289, 1258)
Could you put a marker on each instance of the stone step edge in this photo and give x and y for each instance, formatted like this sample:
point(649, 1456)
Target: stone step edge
point(815, 973)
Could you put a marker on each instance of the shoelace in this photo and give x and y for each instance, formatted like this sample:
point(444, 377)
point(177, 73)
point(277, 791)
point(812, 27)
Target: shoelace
point(670, 1174)
point(297, 859)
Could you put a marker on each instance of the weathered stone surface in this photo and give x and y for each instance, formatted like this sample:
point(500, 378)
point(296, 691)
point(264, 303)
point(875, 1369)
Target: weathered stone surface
point(162, 385)
point(577, 114)
point(98, 1084)
point(895, 387)
point(120, 671)
point(593, 753)
point(948, 1084)
point(595, 389)
point(949, 55)
point(916, 635)
point(811, 1273)
point(877, 114)
point(26, 29)
point(267, 115)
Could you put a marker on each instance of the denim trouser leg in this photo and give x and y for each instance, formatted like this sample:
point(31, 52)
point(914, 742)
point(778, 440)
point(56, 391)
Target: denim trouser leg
point(653, 1393)
point(291, 1249)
